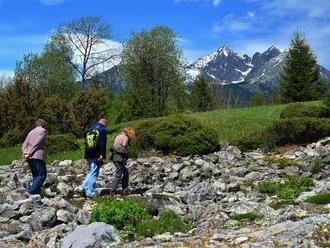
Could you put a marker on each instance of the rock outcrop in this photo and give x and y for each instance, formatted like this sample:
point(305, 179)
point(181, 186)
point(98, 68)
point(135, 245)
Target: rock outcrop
point(208, 189)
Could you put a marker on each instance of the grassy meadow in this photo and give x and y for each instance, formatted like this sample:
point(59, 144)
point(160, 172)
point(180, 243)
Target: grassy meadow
point(231, 125)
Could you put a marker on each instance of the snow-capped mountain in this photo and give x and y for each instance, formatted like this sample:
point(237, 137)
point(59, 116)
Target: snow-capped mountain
point(241, 76)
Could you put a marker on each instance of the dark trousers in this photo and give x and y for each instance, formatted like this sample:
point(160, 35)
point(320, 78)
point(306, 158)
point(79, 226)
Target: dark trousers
point(39, 174)
point(121, 175)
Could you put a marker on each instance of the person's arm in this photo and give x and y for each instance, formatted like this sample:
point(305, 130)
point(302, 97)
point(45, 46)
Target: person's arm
point(25, 146)
point(103, 143)
point(35, 140)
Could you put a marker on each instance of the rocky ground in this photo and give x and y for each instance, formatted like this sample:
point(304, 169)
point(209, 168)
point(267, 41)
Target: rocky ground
point(207, 189)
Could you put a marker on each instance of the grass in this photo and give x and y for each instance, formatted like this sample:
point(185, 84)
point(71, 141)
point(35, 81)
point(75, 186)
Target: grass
point(320, 199)
point(230, 124)
point(282, 162)
point(245, 217)
point(288, 189)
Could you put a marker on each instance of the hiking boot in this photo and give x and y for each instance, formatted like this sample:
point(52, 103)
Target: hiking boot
point(126, 192)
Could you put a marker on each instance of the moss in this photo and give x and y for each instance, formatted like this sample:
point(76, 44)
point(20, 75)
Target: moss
point(245, 217)
point(320, 199)
point(281, 162)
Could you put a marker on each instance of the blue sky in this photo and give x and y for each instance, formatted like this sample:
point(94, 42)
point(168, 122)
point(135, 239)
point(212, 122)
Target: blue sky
point(202, 26)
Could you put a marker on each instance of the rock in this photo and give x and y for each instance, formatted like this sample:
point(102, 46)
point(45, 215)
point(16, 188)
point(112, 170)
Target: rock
point(233, 187)
point(65, 216)
point(43, 218)
point(254, 175)
point(93, 235)
point(64, 189)
point(165, 237)
point(65, 163)
point(83, 217)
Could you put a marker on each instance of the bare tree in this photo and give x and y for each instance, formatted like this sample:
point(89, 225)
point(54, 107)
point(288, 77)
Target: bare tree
point(5, 79)
point(87, 37)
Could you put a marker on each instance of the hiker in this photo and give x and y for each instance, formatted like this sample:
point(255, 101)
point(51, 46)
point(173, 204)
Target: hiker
point(95, 153)
point(34, 152)
point(119, 157)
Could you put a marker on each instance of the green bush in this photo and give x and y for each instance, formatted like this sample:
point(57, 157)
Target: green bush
point(326, 100)
point(168, 222)
point(288, 189)
point(295, 131)
point(298, 110)
point(119, 213)
point(180, 135)
point(13, 137)
point(61, 143)
point(323, 198)
point(130, 217)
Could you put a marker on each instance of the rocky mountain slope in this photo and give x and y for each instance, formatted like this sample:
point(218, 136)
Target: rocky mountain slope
point(212, 190)
point(243, 76)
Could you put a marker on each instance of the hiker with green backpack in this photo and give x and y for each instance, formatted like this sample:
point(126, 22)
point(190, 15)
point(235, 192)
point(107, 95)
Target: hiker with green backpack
point(95, 153)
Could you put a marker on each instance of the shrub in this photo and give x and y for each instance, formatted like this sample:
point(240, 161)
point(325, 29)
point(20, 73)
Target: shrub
point(118, 213)
point(13, 137)
point(61, 143)
point(169, 221)
point(298, 110)
point(326, 100)
point(296, 131)
point(288, 189)
point(323, 198)
point(180, 135)
point(131, 217)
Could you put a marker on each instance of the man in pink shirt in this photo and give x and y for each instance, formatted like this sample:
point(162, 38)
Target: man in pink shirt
point(34, 152)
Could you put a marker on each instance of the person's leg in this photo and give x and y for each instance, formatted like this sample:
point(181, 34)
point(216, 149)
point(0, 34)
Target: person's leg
point(118, 176)
point(83, 185)
point(91, 178)
point(125, 179)
point(40, 176)
point(31, 163)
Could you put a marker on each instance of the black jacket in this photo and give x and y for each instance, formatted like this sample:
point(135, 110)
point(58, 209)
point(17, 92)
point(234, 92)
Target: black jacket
point(101, 148)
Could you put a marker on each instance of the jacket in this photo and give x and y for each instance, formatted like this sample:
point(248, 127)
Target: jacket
point(120, 148)
point(35, 143)
point(101, 148)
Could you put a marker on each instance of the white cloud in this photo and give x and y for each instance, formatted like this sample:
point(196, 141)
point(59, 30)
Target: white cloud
point(251, 14)
point(52, 2)
point(215, 3)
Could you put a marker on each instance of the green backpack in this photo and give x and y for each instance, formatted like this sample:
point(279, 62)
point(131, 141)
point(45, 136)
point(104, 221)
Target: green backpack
point(92, 138)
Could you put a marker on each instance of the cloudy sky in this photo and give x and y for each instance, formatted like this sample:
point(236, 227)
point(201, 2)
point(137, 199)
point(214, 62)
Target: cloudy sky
point(202, 26)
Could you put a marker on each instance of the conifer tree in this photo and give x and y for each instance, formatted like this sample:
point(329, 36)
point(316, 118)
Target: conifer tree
point(201, 95)
point(300, 78)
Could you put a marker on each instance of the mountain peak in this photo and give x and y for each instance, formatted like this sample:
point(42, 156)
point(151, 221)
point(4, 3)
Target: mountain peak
point(273, 48)
point(224, 50)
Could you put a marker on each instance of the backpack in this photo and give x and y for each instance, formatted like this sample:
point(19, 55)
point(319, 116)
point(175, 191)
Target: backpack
point(92, 139)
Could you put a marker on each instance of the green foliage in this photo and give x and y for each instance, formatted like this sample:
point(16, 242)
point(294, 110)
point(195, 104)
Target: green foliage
point(85, 108)
point(50, 72)
point(300, 79)
point(55, 112)
point(201, 95)
point(296, 110)
point(131, 217)
point(281, 162)
point(288, 189)
point(316, 166)
point(181, 135)
point(61, 143)
point(13, 137)
point(296, 131)
point(168, 222)
point(245, 217)
point(153, 69)
point(326, 100)
point(118, 213)
point(320, 199)
point(258, 99)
